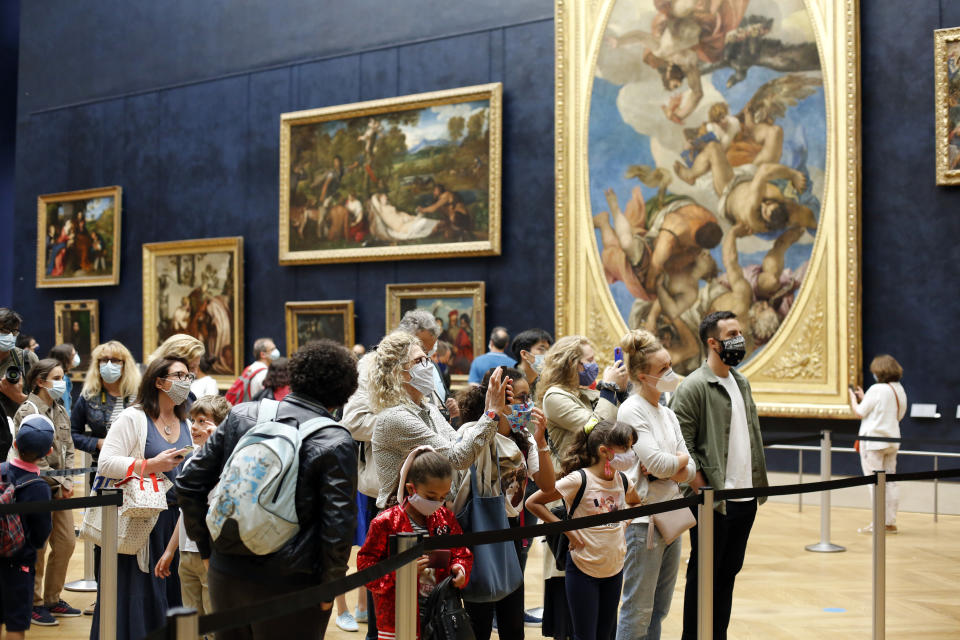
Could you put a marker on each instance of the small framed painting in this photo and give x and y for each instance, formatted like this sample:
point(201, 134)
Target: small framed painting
point(459, 310)
point(318, 320)
point(77, 322)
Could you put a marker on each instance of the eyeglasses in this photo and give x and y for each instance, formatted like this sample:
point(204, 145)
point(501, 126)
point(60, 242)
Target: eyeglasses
point(181, 376)
point(110, 361)
point(422, 360)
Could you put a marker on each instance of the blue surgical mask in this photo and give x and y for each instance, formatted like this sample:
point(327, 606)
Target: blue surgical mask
point(7, 341)
point(111, 372)
point(589, 374)
point(57, 390)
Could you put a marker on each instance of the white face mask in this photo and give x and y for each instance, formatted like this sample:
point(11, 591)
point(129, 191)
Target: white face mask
point(178, 391)
point(623, 461)
point(421, 378)
point(275, 354)
point(668, 382)
point(432, 350)
point(7, 341)
point(424, 506)
point(76, 360)
point(56, 389)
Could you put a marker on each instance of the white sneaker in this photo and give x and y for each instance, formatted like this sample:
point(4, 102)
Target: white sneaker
point(346, 622)
point(360, 616)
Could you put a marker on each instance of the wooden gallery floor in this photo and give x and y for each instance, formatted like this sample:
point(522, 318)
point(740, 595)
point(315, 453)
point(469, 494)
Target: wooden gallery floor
point(783, 590)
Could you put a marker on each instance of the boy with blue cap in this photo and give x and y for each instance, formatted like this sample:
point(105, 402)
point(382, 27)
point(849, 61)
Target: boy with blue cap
point(34, 441)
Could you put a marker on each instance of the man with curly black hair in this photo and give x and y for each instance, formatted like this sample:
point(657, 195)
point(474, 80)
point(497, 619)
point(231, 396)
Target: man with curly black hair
point(323, 375)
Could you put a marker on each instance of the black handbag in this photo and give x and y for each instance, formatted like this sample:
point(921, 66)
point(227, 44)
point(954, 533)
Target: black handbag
point(443, 616)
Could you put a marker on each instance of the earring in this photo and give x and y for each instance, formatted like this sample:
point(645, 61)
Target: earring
point(607, 469)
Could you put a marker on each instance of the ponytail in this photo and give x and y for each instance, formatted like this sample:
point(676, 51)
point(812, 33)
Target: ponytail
point(584, 452)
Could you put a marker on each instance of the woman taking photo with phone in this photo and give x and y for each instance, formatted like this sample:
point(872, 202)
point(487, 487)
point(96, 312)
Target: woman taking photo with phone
point(152, 435)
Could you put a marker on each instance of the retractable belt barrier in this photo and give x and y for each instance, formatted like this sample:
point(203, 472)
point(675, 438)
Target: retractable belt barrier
point(291, 603)
point(21, 508)
point(59, 473)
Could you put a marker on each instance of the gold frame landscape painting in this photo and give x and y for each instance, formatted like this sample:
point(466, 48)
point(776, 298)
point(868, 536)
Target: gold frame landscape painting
point(708, 159)
point(410, 177)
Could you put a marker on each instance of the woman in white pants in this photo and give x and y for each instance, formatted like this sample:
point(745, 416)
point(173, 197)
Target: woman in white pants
point(881, 409)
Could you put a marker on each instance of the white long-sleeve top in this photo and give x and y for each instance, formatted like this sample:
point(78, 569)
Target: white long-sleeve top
point(659, 440)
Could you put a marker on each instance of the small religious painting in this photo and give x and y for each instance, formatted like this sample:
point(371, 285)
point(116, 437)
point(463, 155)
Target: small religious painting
point(327, 320)
point(78, 238)
point(947, 85)
point(196, 287)
point(76, 322)
point(458, 308)
point(409, 177)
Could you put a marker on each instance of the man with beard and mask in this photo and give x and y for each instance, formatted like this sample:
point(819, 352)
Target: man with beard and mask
point(720, 427)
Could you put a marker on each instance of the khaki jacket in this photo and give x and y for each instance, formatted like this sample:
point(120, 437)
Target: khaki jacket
point(703, 409)
point(62, 455)
point(566, 415)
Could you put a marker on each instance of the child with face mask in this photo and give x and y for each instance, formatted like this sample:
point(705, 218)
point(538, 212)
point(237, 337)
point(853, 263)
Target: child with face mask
point(596, 461)
point(425, 480)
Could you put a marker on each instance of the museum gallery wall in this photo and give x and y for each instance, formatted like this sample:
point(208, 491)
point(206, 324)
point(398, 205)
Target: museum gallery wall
point(190, 131)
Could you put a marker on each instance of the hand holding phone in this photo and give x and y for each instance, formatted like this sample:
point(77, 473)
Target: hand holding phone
point(187, 449)
point(439, 559)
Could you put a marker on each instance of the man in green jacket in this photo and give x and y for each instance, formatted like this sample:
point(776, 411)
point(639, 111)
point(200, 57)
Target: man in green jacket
point(718, 419)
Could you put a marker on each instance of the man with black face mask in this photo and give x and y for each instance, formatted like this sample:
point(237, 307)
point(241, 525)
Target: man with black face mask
point(719, 422)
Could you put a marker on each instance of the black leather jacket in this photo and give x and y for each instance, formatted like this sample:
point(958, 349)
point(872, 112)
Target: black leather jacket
point(326, 498)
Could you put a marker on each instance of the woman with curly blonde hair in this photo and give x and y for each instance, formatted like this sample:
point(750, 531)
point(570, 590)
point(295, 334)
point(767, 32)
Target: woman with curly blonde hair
point(401, 381)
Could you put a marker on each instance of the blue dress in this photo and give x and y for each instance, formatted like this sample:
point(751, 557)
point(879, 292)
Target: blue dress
point(142, 598)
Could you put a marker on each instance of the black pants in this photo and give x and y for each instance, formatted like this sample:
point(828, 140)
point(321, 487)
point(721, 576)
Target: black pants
point(228, 592)
point(730, 534)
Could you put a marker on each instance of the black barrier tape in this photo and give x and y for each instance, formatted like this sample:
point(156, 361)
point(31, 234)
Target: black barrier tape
point(311, 596)
point(813, 437)
point(852, 437)
point(111, 499)
point(55, 473)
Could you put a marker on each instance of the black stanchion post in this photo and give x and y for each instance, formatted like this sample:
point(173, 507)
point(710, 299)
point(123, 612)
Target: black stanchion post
point(879, 556)
point(406, 598)
point(825, 546)
point(182, 624)
point(705, 565)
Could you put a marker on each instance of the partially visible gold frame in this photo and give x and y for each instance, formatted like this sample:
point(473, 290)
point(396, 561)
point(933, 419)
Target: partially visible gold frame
point(44, 281)
point(154, 250)
point(342, 308)
point(804, 371)
point(941, 38)
point(93, 306)
point(475, 290)
point(490, 247)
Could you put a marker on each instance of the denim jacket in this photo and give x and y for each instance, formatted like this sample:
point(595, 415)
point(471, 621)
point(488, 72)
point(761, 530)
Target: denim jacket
point(90, 420)
point(703, 409)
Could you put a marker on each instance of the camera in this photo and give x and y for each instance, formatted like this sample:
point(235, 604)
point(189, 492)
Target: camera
point(13, 374)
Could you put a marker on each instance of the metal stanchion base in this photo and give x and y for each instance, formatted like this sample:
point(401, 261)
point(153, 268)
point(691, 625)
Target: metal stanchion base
point(81, 585)
point(825, 547)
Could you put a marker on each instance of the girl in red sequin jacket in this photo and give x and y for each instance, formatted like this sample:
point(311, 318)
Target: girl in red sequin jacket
point(425, 481)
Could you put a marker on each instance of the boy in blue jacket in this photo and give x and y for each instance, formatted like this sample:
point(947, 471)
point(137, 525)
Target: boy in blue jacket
point(34, 441)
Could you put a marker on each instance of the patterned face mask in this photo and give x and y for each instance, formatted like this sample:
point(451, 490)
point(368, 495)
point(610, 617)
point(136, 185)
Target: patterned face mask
point(521, 415)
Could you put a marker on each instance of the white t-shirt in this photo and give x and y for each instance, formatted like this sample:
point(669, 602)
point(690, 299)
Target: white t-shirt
point(605, 546)
point(205, 386)
point(882, 415)
point(739, 469)
point(515, 470)
point(256, 382)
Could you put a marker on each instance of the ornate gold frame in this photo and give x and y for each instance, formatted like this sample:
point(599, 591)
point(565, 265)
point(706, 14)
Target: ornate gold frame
point(93, 306)
point(491, 247)
point(476, 290)
point(82, 281)
point(806, 368)
point(942, 37)
point(343, 308)
point(154, 250)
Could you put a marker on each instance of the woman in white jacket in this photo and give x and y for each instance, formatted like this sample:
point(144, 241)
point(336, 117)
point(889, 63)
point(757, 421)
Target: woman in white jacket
point(650, 567)
point(881, 409)
point(150, 434)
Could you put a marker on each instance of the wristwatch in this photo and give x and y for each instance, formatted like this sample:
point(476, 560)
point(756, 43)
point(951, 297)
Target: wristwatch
point(491, 414)
point(607, 386)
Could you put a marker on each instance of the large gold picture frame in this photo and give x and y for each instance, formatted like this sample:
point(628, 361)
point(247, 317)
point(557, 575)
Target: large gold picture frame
point(78, 322)
point(805, 368)
point(196, 287)
point(458, 306)
point(947, 91)
point(329, 319)
point(411, 177)
point(78, 238)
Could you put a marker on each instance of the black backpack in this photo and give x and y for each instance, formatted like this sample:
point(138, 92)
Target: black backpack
point(443, 616)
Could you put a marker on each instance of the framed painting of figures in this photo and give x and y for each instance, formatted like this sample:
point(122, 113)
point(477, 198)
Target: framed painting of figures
point(409, 177)
point(308, 321)
point(947, 91)
point(77, 322)
point(78, 238)
point(708, 159)
point(459, 311)
point(196, 287)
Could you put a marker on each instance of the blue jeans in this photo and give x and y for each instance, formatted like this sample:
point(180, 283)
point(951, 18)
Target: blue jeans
point(594, 615)
point(649, 578)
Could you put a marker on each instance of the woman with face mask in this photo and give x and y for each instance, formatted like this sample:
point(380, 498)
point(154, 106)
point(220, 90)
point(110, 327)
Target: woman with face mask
point(650, 567)
point(152, 435)
point(45, 385)
point(401, 380)
point(69, 359)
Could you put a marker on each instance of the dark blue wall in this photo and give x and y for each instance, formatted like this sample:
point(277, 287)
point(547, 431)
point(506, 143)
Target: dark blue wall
point(180, 102)
point(9, 46)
